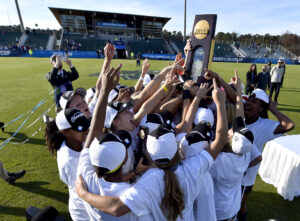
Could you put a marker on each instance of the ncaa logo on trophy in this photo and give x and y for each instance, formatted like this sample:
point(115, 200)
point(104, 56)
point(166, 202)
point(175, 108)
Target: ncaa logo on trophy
point(202, 42)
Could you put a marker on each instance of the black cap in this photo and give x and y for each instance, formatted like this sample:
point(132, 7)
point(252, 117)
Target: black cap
point(77, 120)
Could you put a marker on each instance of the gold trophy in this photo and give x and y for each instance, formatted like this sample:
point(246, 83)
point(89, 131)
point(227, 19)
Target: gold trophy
point(202, 41)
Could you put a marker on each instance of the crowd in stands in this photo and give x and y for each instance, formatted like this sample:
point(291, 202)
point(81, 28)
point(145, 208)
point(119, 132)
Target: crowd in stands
point(72, 45)
point(164, 149)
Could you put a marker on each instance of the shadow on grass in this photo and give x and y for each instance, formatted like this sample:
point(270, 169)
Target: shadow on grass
point(10, 210)
point(21, 137)
point(297, 110)
point(19, 211)
point(37, 187)
point(288, 105)
point(291, 89)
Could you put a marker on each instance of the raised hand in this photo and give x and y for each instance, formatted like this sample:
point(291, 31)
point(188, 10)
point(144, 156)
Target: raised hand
point(188, 46)
point(202, 91)
point(210, 75)
point(218, 95)
point(145, 68)
point(111, 78)
point(109, 50)
point(124, 94)
point(236, 82)
point(170, 79)
point(68, 62)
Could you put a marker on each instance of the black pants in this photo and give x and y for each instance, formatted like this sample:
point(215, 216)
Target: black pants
point(276, 87)
point(281, 81)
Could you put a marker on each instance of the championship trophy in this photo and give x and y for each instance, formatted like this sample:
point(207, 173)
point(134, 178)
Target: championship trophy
point(202, 41)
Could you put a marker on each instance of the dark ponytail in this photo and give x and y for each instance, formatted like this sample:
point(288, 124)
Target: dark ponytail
point(54, 137)
point(173, 201)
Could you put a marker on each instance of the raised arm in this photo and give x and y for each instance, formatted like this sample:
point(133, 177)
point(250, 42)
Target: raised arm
point(73, 75)
point(109, 54)
point(152, 87)
point(222, 125)
point(220, 81)
point(286, 124)
point(236, 81)
point(188, 122)
point(139, 84)
point(153, 101)
point(109, 80)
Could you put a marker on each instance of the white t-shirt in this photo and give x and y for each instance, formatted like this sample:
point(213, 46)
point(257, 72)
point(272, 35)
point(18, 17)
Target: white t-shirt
point(145, 197)
point(100, 187)
point(204, 205)
point(263, 131)
point(67, 161)
point(227, 173)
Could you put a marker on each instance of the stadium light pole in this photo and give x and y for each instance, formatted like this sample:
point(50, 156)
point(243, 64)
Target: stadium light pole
point(20, 17)
point(184, 28)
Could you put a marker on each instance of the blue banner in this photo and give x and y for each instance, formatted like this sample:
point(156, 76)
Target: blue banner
point(71, 54)
point(110, 24)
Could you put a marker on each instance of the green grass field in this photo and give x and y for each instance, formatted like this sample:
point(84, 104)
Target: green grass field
point(23, 85)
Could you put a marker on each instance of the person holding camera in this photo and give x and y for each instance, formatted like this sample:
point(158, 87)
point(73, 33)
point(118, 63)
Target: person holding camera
point(60, 79)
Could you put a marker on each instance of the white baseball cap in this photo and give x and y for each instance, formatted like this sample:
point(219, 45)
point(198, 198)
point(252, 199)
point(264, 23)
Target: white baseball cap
point(90, 93)
point(109, 150)
point(196, 140)
point(261, 94)
point(113, 108)
point(152, 121)
point(204, 114)
point(242, 141)
point(161, 143)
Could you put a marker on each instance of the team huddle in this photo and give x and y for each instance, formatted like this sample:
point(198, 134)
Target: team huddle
point(164, 149)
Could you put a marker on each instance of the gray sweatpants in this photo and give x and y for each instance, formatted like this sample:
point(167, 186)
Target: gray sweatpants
point(3, 172)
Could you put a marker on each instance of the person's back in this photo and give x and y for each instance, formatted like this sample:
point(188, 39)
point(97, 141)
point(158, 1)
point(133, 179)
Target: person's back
point(148, 199)
point(227, 173)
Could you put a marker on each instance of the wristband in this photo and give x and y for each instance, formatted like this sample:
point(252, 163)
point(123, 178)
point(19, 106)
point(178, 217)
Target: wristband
point(165, 88)
point(141, 79)
point(186, 94)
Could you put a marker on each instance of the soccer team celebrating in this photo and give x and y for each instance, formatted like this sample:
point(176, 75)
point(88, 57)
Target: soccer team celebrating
point(164, 149)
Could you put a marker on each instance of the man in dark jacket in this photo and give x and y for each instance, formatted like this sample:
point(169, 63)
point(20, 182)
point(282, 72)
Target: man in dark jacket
point(60, 79)
point(263, 78)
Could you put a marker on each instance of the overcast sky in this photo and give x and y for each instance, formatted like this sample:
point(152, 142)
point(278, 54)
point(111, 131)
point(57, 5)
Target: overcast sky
point(241, 16)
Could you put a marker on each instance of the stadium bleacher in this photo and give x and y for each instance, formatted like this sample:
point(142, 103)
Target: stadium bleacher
point(146, 46)
point(9, 38)
point(37, 40)
point(86, 44)
point(223, 50)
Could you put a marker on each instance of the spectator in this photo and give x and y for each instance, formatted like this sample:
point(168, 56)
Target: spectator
point(60, 79)
point(269, 67)
point(251, 79)
point(276, 76)
point(263, 78)
point(138, 59)
point(283, 66)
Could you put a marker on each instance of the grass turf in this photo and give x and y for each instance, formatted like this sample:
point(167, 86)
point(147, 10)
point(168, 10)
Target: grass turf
point(23, 85)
